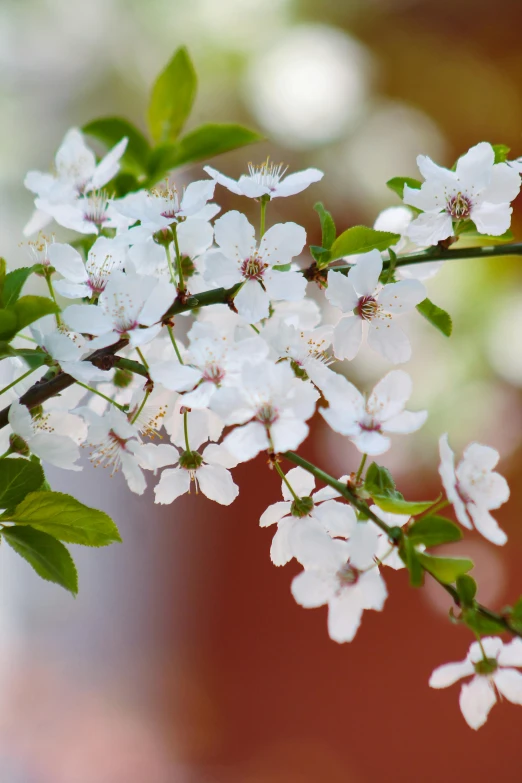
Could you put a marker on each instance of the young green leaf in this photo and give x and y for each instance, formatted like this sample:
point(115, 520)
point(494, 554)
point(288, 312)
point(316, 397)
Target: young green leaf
point(379, 481)
point(397, 184)
point(361, 239)
point(30, 308)
point(111, 130)
point(467, 589)
point(409, 555)
point(445, 569)
point(203, 143)
point(49, 558)
point(501, 152)
point(434, 530)
point(18, 477)
point(438, 317)
point(13, 284)
point(481, 624)
point(65, 518)
point(172, 97)
point(515, 616)
point(397, 505)
point(327, 226)
point(320, 255)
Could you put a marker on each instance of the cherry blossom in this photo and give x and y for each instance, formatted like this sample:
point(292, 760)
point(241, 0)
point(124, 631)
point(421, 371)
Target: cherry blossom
point(267, 179)
point(493, 666)
point(86, 278)
point(41, 439)
point(479, 190)
point(306, 529)
point(346, 589)
point(271, 404)
point(367, 304)
point(242, 261)
point(368, 423)
point(474, 488)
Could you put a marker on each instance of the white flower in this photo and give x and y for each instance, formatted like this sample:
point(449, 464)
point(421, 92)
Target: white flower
point(158, 209)
point(474, 488)
point(209, 472)
point(479, 190)
point(494, 676)
point(306, 531)
point(86, 278)
point(275, 404)
point(87, 214)
point(69, 350)
point(128, 303)
point(348, 591)
point(241, 261)
point(397, 220)
point(267, 179)
point(59, 450)
point(76, 173)
point(386, 553)
point(213, 361)
point(304, 348)
point(367, 423)
point(366, 302)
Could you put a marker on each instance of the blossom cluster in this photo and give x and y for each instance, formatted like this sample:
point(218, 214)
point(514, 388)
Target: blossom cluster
point(224, 379)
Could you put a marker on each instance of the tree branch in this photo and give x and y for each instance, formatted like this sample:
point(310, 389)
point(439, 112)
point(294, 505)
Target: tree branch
point(392, 533)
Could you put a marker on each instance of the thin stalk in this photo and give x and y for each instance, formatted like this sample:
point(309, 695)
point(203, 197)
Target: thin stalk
point(181, 282)
point(281, 473)
point(171, 267)
point(361, 468)
point(143, 402)
point(185, 430)
point(262, 220)
point(256, 330)
point(6, 453)
point(53, 296)
point(143, 360)
point(174, 343)
point(433, 509)
point(13, 383)
point(103, 396)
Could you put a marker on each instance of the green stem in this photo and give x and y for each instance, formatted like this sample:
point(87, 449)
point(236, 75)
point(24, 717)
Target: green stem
point(281, 473)
point(143, 360)
point(13, 383)
point(256, 330)
point(185, 430)
point(6, 453)
point(103, 396)
point(360, 505)
point(174, 343)
point(171, 267)
point(129, 364)
point(145, 398)
point(53, 295)
point(361, 468)
point(181, 282)
point(262, 222)
point(433, 509)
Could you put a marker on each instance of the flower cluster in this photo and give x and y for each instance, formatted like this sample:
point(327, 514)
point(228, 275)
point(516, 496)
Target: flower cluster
point(178, 402)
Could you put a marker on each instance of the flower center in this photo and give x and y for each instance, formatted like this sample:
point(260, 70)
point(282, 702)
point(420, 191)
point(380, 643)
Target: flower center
point(96, 205)
point(267, 174)
point(266, 414)
point(370, 424)
point(302, 507)
point(39, 250)
point(168, 193)
point(99, 273)
point(253, 268)
point(347, 575)
point(367, 308)
point(214, 373)
point(459, 207)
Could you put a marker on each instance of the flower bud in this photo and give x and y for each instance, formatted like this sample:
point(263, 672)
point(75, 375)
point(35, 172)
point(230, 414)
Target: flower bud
point(190, 460)
point(122, 378)
point(17, 445)
point(302, 507)
point(163, 236)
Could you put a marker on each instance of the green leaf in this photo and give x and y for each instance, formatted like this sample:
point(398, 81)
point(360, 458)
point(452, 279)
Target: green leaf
point(468, 230)
point(65, 518)
point(49, 558)
point(203, 143)
point(18, 477)
point(124, 183)
point(361, 239)
point(397, 184)
point(480, 623)
point(282, 267)
point(30, 308)
point(515, 616)
point(467, 589)
point(33, 357)
point(396, 505)
point(13, 284)
point(320, 255)
point(445, 569)
point(172, 97)
point(409, 555)
point(111, 130)
point(437, 317)
point(8, 325)
point(379, 481)
point(3, 272)
point(434, 530)
point(327, 226)
point(501, 152)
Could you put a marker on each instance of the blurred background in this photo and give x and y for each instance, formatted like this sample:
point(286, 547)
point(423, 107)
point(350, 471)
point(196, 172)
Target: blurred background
point(185, 657)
